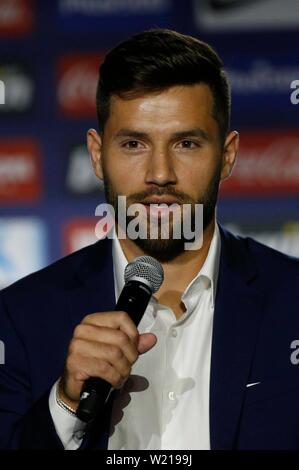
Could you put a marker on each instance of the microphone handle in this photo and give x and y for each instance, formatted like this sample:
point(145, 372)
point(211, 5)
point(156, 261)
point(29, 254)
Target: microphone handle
point(133, 299)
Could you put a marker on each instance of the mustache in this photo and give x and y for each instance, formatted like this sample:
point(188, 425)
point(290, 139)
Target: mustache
point(180, 196)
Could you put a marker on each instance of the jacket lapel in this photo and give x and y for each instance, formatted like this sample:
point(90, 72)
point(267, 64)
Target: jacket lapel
point(92, 289)
point(238, 314)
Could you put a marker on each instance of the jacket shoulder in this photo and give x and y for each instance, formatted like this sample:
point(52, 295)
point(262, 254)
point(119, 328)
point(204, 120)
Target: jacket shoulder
point(264, 253)
point(275, 269)
point(61, 273)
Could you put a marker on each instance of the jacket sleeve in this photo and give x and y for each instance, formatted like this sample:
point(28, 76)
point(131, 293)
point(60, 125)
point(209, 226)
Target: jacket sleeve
point(23, 424)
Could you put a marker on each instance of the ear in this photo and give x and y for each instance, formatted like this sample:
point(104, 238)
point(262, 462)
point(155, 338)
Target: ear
point(230, 150)
point(94, 145)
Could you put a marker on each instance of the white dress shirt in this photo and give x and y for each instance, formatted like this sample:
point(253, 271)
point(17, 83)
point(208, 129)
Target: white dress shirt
point(164, 404)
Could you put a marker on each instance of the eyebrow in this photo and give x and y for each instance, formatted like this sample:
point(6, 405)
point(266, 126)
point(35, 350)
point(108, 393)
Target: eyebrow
point(131, 133)
point(196, 132)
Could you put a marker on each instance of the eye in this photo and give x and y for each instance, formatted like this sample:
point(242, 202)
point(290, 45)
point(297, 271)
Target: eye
point(188, 144)
point(131, 144)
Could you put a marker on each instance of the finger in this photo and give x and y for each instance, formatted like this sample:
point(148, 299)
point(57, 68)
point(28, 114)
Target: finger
point(109, 353)
point(108, 336)
point(89, 367)
point(146, 342)
point(117, 320)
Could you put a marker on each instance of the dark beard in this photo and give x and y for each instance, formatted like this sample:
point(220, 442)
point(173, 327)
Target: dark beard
point(166, 249)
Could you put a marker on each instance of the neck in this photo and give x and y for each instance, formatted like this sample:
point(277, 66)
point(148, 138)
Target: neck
point(179, 272)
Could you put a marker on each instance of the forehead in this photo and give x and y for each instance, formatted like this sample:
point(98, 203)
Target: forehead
point(173, 108)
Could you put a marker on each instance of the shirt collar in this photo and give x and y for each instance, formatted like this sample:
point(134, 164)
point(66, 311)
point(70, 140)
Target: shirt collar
point(119, 264)
point(208, 273)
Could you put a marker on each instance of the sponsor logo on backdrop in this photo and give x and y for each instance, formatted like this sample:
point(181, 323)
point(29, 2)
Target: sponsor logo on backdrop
point(19, 88)
point(80, 178)
point(295, 94)
point(77, 83)
point(240, 15)
point(262, 77)
point(113, 15)
point(78, 233)
point(23, 248)
point(16, 17)
point(267, 164)
point(282, 236)
point(104, 7)
point(20, 171)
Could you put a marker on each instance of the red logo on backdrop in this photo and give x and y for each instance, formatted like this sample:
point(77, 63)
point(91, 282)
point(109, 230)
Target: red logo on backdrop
point(78, 233)
point(267, 164)
point(77, 82)
point(16, 17)
point(20, 171)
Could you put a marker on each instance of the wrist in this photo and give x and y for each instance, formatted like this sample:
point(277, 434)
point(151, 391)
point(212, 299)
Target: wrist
point(64, 401)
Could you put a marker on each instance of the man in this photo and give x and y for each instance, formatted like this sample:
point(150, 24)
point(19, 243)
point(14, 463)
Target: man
point(209, 366)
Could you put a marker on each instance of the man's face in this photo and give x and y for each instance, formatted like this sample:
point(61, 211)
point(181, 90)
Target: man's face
point(163, 147)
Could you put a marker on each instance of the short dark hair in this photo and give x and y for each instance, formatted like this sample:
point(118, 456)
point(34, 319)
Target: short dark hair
point(154, 60)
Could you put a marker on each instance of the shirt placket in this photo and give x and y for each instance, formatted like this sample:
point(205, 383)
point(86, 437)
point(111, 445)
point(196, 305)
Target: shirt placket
point(169, 393)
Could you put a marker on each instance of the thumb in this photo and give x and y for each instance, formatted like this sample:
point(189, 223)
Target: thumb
point(145, 342)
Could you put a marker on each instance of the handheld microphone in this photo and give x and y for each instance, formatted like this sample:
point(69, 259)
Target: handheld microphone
point(143, 277)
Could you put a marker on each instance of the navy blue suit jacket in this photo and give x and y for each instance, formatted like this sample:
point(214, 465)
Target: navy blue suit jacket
point(255, 321)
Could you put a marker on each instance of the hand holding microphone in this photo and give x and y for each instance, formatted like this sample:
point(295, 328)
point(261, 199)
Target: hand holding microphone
point(105, 345)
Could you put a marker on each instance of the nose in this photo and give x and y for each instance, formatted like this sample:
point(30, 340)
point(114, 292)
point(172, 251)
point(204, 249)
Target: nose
point(160, 169)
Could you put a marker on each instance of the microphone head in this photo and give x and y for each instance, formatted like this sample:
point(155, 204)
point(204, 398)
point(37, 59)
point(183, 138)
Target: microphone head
point(145, 269)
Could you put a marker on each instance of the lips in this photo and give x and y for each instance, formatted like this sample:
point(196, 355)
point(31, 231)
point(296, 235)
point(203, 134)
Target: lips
point(160, 207)
point(158, 201)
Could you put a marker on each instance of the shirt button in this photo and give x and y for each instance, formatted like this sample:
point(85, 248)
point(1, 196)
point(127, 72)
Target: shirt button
point(171, 396)
point(174, 333)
